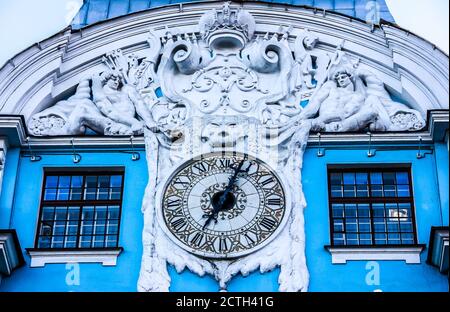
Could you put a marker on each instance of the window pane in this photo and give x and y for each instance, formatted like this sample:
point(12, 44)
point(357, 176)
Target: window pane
point(51, 182)
point(406, 227)
point(377, 190)
point(336, 178)
point(87, 227)
point(48, 213)
point(113, 212)
point(111, 241)
point(50, 194)
point(46, 229)
point(77, 181)
point(64, 182)
point(407, 238)
point(57, 242)
point(76, 194)
point(351, 210)
point(88, 213)
point(116, 181)
point(380, 239)
point(100, 212)
point(115, 193)
point(362, 191)
point(91, 182)
point(403, 190)
point(336, 191)
point(352, 239)
point(113, 227)
point(99, 241)
point(363, 210)
point(338, 210)
point(378, 210)
point(388, 178)
point(361, 178)
point(376, 178)
point(402, 178)
point(91, 194)
point(365, 239)
point(338, 239)
point(338, 225)
point(394, 239)
point(72, 228)
point(61, 213)
point(364, 225)
point(103, 193)
point(389, 190)
point(71, 242)
point(103, 181)
point(349, 178)
point(351, 225)
point(379, 225)
point(349, 191)
point(44, 242)
point(85, 241)
point(63, 193)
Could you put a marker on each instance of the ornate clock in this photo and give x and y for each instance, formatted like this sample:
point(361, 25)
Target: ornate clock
point(223, 205)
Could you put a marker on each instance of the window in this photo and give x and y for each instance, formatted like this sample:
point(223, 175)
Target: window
point(80, 210)
point(371, 207)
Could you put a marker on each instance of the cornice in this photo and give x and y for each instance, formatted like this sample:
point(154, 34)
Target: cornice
point(13, 127)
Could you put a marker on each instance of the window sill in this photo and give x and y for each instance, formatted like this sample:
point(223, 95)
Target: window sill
point(342, 254)
point(105, 256)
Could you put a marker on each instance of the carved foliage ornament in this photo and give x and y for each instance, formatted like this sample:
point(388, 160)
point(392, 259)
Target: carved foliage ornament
point(226, 117)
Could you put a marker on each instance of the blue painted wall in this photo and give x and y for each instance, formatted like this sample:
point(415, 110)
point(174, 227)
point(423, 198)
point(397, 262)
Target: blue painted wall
point(429, 177)
point(93, 277)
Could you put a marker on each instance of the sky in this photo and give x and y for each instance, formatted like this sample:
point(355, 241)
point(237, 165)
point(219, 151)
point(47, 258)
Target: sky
point(25, 22)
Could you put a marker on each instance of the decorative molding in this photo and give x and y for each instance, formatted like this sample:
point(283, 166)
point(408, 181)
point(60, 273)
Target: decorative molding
point(72, 54)
point(438, 248)
point(340, 255)
point(10, 252)
point(40, 257)
point(13, 128)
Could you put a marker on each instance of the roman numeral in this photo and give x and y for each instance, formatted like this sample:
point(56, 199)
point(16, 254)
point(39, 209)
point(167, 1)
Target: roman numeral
point(201, 167)
point(274, 201)
point(267, 181)
point(250, 240)
point(183, 183)
point(267, 223)
point(225, 163)
point(197, 239)
point(173, 203)
point(178, 224)
point(223, 246)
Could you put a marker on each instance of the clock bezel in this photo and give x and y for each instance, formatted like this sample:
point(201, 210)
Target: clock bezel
point(209, 255)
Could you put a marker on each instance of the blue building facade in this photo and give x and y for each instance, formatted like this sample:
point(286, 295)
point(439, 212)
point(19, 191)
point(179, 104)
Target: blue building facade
point(402, 263)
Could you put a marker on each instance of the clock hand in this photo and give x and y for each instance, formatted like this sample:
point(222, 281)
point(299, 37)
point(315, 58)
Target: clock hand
point(219, 206)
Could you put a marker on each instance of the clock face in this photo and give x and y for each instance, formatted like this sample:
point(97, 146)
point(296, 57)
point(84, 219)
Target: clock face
point(223, 205)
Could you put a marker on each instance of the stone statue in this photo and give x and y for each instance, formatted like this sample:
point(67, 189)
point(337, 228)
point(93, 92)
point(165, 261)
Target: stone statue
point(354, 100)
point(107, 107)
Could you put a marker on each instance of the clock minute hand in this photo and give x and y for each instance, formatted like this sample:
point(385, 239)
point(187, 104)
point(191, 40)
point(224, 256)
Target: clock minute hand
point(219, 206)
point(231, 183)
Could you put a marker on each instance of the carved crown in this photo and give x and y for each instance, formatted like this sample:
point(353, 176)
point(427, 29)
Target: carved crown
point(227, 22)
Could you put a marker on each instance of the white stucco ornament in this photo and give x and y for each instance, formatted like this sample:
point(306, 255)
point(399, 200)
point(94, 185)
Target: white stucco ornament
point(225, 88)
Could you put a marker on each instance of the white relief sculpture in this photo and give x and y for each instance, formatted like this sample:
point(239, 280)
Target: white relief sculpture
point(224, 89)
point(354, 99)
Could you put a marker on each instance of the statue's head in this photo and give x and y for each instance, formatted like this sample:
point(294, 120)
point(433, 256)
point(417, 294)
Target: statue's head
point(111, 79)
point(343, 78)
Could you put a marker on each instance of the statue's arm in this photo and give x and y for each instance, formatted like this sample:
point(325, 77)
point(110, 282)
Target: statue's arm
point(314, 104)
point(141, 108)
point(99, 97)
